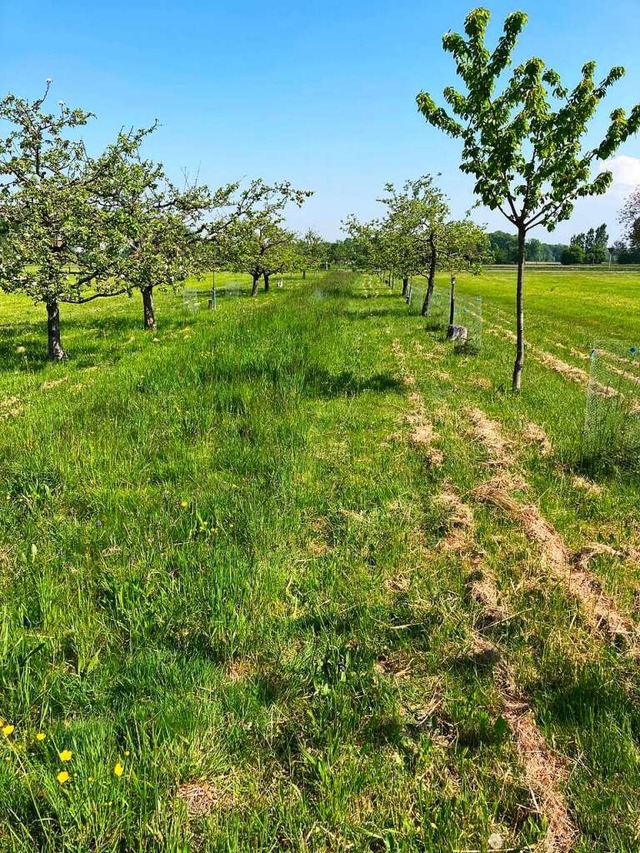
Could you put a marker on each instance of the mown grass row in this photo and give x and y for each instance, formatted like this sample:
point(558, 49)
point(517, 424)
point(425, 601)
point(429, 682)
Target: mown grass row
point(222, 567)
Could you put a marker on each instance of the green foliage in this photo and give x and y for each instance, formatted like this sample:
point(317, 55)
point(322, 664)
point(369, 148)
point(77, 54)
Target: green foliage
point(523, 144)
point(573, 254)
point(311, 250)
point(504, 249)
point(629, 218)
point(593, 244)
point(626, 255)
point(255, 240)
point(463, 246)
point(350, 253)
point(163, 225)
point(61, 236)
point(366, 247)
point(79, 227)
point(258, 611)
point(415, 238)
point(413, 225)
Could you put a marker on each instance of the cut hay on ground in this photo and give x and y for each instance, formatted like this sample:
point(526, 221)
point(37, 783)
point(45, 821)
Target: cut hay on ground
point(545, 773)
point(589, 487)
point(459, 521)
point(422, 434)
point(534, 434)
point(201, 798)
point(487, 432)
point(599, 611)
point(10, 407)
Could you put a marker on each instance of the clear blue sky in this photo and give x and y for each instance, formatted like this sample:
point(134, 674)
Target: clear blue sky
point(322, 93)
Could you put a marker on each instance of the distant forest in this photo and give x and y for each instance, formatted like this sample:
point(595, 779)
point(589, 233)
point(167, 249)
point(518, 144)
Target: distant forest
point(504, 248)
point(590, 248)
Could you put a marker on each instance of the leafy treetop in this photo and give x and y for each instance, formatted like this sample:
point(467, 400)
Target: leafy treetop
point(522, 145)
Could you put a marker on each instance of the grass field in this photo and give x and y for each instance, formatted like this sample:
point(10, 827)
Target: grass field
point(295, 575)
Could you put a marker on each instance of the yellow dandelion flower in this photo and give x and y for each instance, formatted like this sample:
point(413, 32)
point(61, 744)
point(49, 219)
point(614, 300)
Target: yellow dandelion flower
point(118, 769)
point(91, 779)
point(40, 736)
point(184, 504)
point(62, 777)
point(8, 729)
point(126, 752)
point(65, 755)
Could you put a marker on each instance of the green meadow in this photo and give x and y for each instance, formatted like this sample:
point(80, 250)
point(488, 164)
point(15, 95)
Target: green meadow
point(296, 574)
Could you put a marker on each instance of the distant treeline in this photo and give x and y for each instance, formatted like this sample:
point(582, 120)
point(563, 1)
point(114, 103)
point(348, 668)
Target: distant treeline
point(588, 248)
point(592, 247)
point(624, 254)
point(504, 247)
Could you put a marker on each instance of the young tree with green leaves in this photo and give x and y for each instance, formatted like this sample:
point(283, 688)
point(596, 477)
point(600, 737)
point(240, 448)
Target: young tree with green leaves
point(256, 242)
point(365, 248)
point(416, 216)
point(463, 246)
point(62, 242)
point(311, 251)
point(523, 143)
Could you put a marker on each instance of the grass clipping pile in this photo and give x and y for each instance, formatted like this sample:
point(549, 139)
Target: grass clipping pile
point(422, 434)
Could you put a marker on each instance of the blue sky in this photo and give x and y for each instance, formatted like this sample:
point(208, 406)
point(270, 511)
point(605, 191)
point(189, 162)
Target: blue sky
point(322, 94)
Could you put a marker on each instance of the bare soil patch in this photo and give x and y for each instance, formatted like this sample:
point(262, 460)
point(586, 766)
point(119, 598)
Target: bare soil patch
point(202, 797)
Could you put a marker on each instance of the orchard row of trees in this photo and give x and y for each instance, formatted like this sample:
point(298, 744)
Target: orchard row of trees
point(415, 237)
point(75, 227)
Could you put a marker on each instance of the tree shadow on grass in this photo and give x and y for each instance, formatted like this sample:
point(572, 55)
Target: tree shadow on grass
point(435, 325)
point(584, 699)
point(359, 314)
point(322, 383)
point(314, 381)
point(34, 359)
point(88, 342)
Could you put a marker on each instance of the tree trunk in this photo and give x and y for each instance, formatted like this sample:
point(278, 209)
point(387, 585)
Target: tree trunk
point(266, 277)
point(452, 304)
point(54, 344)
point(148, 314)
point(432, 276)
point(304, 275)
point(405, 285)
point(519, 363)
point(254, 287)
